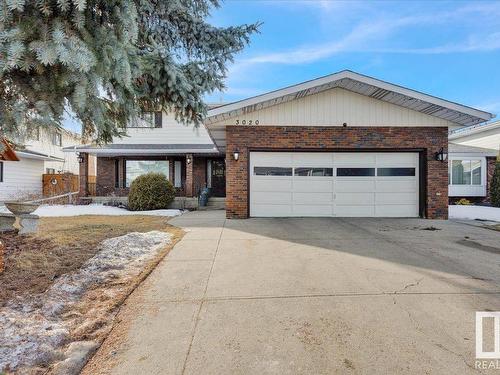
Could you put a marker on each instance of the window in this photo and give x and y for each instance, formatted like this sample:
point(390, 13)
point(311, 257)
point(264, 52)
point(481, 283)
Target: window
point(178, 174)
point(272, 171)
point(51, 171)
point(399, 172)
point(307, 171)
point(117, 173)
point(1, 171)
point(355, 172)
point(135, 168)
point(464, 172)
point(57, 138)
point(148, 120)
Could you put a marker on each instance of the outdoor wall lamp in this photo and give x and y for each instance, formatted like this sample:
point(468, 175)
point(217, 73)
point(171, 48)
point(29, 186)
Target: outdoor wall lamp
point(80, 158)
point(441, 155)
point(236, 155)
point(188, 159)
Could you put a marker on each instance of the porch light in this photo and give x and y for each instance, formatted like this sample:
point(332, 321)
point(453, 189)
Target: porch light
point(80, 158)
point(236, 155)
point(441, 155)
point(188, 159)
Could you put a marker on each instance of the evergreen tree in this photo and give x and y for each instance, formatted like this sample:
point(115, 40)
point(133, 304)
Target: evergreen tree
point(495, 185)
point(107, 60)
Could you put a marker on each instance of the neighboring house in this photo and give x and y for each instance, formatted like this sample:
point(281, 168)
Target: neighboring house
point(40, 153)
point(472, 155)
point(340, 145)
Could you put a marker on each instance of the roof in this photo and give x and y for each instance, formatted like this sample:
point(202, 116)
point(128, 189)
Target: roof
point(7, 153)
point(455, 148)
point(463, 132)
point(145, 149)
point(361, 84)
point(28, 154)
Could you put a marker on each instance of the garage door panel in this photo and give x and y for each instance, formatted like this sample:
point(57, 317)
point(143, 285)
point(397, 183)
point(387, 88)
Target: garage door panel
point(395, 198)
point(355, 211)
point(354, 198)
point(271, 184)
point(396, 211)
point(313, 185)
point(389, 192)
point(312, 210)
point(271, 210)
point(312, 198)
point(352, 185)
point(271, 197)
point(402, 185)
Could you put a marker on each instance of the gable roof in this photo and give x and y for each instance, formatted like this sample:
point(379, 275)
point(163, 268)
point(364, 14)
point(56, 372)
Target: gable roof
point(360, 84)
point(7, 151)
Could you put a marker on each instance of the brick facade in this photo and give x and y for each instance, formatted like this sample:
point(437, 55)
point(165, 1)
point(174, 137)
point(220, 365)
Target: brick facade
point(106, 177)
point(244, 138)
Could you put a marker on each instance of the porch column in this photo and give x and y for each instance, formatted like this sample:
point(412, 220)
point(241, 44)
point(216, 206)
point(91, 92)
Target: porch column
point(189, 175)
point(84, 175)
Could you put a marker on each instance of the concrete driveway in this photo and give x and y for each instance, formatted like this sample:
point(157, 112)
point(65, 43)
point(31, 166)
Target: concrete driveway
point(299, 296)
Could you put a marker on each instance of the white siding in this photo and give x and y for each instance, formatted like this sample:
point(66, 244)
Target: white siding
point(333, 108)
point(171, 132)
point(486, 139)
point(21, 178)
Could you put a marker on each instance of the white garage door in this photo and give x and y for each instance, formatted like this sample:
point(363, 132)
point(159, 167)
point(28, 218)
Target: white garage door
point(343, 184)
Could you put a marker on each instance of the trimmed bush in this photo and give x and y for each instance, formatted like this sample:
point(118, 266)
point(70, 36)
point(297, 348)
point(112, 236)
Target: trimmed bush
point(463, 202)
point(151, 191)
point(495, 186)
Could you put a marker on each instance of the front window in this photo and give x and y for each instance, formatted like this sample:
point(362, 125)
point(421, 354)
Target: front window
point(147, 120)
point(464, 172)
point(135, 168)
point(57, 139)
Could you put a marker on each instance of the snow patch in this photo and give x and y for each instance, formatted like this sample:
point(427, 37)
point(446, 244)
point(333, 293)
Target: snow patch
point(93, 209)
point(34, 331)
point(474, 212)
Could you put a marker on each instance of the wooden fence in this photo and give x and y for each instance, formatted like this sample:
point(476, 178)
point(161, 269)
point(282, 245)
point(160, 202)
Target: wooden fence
point(57, 184)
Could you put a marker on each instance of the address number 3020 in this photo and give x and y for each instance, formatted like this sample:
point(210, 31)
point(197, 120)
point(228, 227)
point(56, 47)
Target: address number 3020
point(247, 122)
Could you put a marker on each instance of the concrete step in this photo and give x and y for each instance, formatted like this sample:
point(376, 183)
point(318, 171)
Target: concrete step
point(215, 203)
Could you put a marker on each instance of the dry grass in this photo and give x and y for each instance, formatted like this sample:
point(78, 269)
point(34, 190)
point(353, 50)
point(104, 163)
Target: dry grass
point(62, 245)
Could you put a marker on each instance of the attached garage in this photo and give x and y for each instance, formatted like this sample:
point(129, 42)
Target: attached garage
point(342, 184)
point(342, 145)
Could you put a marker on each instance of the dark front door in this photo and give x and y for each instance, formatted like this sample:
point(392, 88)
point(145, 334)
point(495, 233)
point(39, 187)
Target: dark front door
point(218, 177)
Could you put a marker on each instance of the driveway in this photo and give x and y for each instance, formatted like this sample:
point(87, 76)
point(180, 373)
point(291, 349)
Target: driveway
point(299, 296)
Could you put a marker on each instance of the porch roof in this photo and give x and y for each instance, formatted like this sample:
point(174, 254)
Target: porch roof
point(145, 149)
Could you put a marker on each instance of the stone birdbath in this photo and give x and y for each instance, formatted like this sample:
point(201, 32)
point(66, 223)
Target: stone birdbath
point(28, 222)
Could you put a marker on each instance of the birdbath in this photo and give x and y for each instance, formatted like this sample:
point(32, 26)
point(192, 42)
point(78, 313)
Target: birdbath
point(21, 208)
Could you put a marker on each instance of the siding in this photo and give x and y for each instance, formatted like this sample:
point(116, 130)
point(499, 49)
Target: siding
point(171, 132)
point(334, 107)
point(21, 178)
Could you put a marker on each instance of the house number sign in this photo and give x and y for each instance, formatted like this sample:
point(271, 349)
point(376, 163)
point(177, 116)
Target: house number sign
point(247, 122)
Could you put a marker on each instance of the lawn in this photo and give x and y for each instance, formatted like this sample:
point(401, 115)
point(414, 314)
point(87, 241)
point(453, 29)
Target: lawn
point(62, 245)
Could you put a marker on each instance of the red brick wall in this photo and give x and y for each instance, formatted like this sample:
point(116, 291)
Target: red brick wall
point(243, 138)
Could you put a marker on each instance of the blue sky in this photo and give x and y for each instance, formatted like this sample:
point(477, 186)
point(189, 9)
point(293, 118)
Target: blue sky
point(450, 49)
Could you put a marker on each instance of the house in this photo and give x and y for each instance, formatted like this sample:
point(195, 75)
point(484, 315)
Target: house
point(39, 152)
point(473, 152)
point(341, 145)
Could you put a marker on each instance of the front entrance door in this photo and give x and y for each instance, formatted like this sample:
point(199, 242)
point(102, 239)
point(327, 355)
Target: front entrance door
point(218, 177)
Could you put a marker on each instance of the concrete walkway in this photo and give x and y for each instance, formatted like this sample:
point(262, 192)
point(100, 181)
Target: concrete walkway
point(301, 296)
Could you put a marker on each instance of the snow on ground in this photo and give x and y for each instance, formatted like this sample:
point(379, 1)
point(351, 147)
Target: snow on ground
point(34, 331)
point(93, 209)
point(474, 212)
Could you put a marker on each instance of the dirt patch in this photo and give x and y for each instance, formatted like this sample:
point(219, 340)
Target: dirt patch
point(62, 245)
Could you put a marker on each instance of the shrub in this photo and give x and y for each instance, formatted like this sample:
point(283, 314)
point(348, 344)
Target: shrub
point(463, 202)
point(151, 191)
point(495, 186)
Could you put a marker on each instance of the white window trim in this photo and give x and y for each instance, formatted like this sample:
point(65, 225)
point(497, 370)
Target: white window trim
point(468, 190)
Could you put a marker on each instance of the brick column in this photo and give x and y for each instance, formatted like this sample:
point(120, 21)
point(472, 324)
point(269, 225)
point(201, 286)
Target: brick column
point(84, 173)
point(189, 176)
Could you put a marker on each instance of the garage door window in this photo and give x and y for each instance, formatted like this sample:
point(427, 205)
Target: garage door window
point(306, 171)
point(272, 171)
point(395, 172)
point(355, 172)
